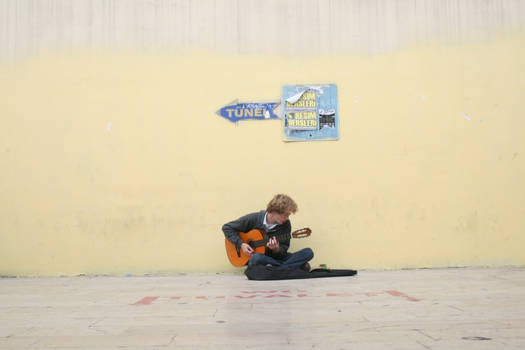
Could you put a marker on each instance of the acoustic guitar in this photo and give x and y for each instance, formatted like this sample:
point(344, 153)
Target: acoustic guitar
point(257, 239)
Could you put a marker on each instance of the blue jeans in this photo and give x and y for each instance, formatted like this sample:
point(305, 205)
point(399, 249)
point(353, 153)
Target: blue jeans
point(293, 260)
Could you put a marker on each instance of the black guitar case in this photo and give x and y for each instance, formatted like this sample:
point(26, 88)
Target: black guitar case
point(261, 272)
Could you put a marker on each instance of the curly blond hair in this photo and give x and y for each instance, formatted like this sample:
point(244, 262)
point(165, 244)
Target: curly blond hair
point(281, 204)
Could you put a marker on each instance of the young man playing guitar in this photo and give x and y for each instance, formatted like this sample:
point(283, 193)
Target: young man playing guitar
point(275, 222)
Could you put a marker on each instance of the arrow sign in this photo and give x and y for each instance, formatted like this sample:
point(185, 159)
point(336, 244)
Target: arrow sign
point(236, 111)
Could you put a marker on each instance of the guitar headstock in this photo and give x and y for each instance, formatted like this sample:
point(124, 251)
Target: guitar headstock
point(301, 233)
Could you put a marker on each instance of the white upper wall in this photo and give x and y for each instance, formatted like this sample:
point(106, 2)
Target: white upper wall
point(28, 27)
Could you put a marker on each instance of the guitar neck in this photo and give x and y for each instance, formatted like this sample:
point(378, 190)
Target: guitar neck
point(266, 237)
point(282, 236)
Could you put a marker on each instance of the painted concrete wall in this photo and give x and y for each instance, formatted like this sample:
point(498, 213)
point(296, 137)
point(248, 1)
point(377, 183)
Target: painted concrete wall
point(113, 160)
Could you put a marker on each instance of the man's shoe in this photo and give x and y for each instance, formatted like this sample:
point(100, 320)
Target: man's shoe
point(305, 267)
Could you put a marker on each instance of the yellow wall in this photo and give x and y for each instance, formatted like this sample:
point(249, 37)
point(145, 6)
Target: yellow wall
point(117, 163)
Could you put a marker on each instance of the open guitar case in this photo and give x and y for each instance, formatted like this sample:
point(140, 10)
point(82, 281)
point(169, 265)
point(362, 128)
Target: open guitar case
point(261, 272)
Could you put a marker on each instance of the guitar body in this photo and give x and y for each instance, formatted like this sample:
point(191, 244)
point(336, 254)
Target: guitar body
point(251, 237)
point(257, 239)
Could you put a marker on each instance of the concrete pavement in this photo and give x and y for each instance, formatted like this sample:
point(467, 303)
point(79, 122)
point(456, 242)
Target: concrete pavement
point(460, 308)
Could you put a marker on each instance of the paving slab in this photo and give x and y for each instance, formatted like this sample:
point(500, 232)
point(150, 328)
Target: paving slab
point(459, 308)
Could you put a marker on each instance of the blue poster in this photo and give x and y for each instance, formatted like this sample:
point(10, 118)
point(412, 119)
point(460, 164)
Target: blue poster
point(309, 112)
point(236, 111)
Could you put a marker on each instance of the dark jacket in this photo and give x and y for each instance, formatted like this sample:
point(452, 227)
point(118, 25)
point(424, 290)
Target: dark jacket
point(251, 221)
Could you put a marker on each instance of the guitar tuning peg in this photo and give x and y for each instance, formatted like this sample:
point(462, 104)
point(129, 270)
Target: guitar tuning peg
point(303, 232)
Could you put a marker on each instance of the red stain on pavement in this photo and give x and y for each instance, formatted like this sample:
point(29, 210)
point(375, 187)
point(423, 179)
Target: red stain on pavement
point(146, 301)
point(395, 293)
point(275, 294)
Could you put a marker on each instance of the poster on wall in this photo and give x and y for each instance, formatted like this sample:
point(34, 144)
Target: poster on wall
point(309, 112)
point(236, 111)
